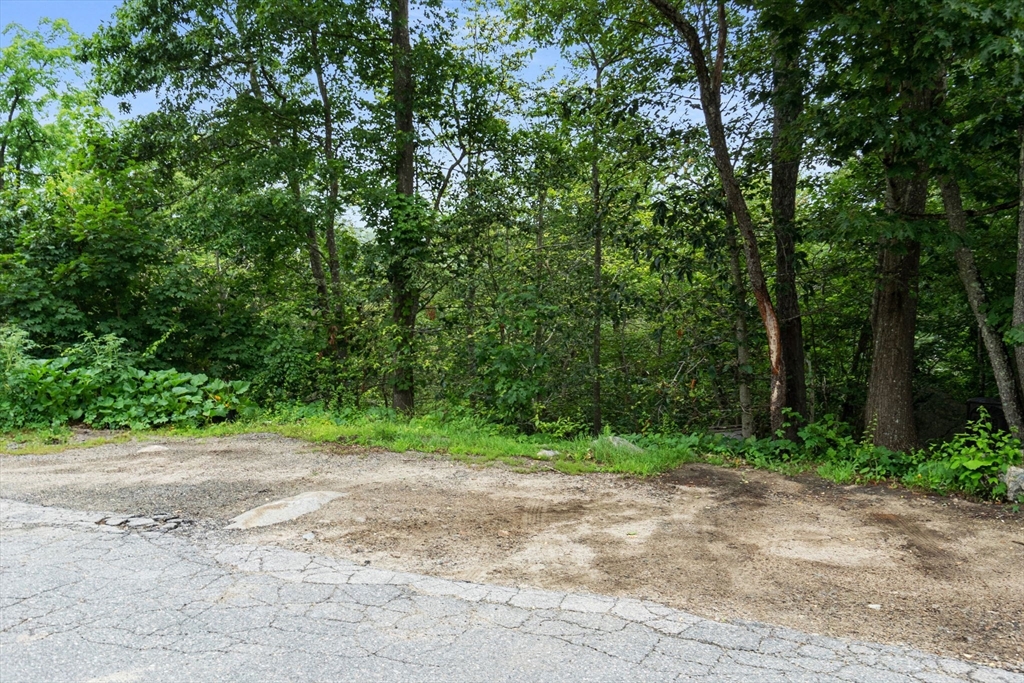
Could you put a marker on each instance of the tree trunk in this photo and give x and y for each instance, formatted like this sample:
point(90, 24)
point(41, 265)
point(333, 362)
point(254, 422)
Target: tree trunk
point(1018, 295)
point(3, 143)
point(596, 350)
point(976, 298)
point(316, 266)
point(330, 214)
point(403, 297)
point(787, 146)
point(742, 350)
point(889, 413)
point(710, 85)
point(595, 196)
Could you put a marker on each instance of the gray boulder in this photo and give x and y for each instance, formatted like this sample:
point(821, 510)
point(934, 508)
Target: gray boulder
point(1014, 479)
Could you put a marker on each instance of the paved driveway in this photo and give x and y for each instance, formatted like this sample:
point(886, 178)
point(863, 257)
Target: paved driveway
point(86, 602)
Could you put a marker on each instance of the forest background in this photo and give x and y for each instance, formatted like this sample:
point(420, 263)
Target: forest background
point(794, 220)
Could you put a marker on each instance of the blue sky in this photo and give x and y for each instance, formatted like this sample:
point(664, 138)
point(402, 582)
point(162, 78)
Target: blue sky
point(83, 15)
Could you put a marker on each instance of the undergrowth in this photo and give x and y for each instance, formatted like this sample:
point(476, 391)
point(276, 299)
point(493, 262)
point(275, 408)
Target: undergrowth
point(97, 384)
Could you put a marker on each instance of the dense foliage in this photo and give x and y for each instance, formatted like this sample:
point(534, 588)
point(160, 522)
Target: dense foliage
point(796, 221)
point(97, 383)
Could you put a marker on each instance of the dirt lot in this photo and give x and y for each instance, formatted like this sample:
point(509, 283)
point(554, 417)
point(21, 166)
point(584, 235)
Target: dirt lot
point(939, 574)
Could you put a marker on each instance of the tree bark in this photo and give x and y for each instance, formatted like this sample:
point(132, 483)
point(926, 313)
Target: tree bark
point(968, 270)
point(595, 196)
point(404, 299)
point(889, 412)
point(3, 144)
point(709, 82)
point(742, 350)
point(1018, 294)
point(333, 264)
point(316, 266)
point(787, 147)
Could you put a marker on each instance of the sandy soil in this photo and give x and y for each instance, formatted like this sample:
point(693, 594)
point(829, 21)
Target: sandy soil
point(939, 574)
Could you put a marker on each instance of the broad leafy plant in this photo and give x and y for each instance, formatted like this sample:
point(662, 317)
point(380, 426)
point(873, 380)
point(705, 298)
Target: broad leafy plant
point(98, 384)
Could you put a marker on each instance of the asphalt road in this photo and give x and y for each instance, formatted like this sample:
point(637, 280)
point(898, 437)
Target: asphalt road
point(81, 601)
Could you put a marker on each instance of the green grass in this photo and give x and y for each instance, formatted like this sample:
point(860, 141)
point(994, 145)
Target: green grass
point(473, 440)
point(462, 438)
point(50, 440)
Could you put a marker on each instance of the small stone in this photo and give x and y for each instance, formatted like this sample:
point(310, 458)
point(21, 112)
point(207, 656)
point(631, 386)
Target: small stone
point(1014, 479)
point(155, 448)
point(115, 521)
point(140, 522)
point(503, 533)
point(366, 562)
point(161, 517)
point(545, 453)
point(309, 537)
point(874, 607)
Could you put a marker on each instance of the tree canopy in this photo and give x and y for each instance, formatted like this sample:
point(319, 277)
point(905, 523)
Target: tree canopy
point(710, 216)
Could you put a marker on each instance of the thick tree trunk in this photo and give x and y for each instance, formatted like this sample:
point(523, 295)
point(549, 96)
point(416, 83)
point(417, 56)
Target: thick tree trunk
point(709, 82)
point(1018, 295)
point(404, 299)
point(595, 197)
point(968, 270)
point(742, 350)
point(889, 413)
point(595, 359)
point(787, 145)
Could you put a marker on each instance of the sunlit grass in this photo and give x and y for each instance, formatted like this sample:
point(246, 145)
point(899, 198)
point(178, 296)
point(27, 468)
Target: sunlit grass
point(461, 438)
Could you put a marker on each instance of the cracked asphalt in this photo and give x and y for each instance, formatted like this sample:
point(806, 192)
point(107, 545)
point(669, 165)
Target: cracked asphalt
point(81, 601)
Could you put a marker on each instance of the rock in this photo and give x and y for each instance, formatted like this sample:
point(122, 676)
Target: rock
point(283, 510)
point(115, 521)
point(545, 453)
point(874, 607)
point(1014, 479)
point(309, 537)
point(617, 442)
point(161, 517)
point(155, 448)
point(140, 522)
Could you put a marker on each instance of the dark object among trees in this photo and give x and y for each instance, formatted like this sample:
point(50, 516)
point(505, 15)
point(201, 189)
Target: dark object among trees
point(993, 407)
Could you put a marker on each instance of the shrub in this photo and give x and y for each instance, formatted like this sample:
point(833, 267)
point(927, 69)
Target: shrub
point(98, 384)
point(972, 461)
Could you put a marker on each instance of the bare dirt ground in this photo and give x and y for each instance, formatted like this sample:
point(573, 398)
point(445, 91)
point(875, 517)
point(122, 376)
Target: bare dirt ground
point(939, 574)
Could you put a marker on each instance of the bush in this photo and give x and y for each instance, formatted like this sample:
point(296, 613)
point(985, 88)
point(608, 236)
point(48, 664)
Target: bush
point(972, 461)
point(98, 384)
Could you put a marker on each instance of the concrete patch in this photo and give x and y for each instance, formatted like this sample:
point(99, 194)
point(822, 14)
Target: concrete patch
point(283, 510)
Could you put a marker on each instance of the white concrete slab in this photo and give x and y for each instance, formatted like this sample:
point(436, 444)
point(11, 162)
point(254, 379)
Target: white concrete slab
point(283, 510)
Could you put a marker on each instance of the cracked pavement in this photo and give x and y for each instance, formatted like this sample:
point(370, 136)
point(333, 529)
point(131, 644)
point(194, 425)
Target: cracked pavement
point(88, 602)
